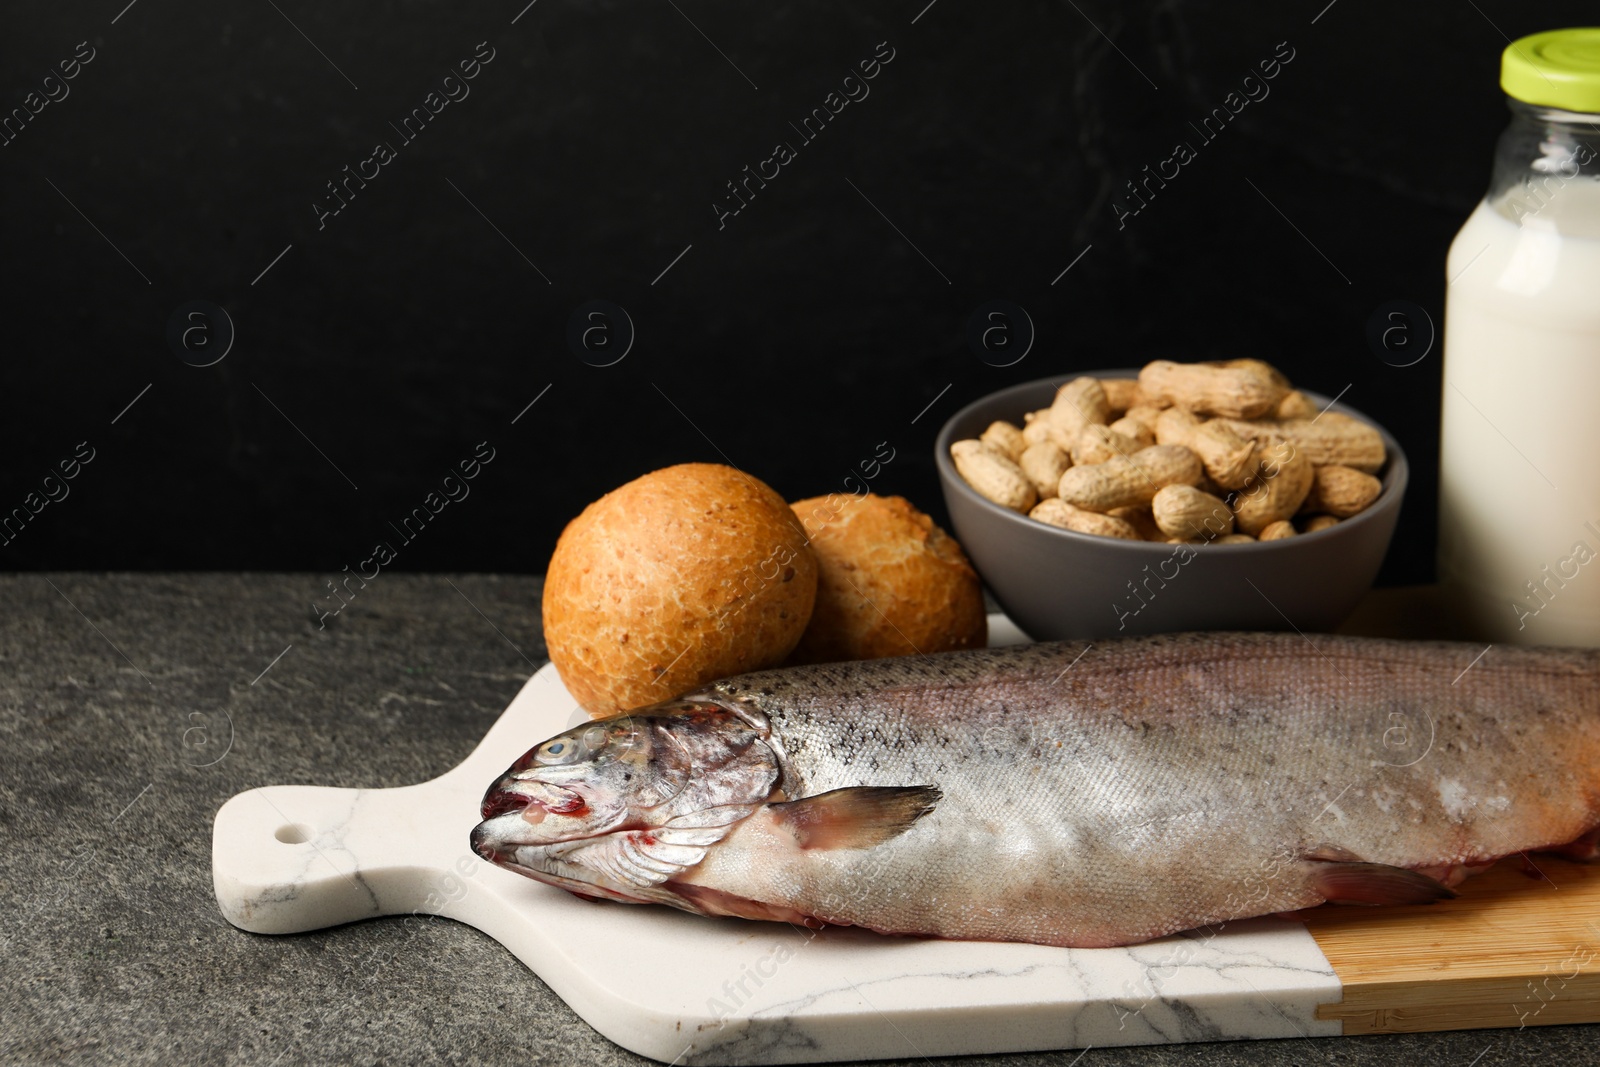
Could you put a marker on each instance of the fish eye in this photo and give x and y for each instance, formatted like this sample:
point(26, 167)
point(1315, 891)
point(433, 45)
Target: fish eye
point(558, 750)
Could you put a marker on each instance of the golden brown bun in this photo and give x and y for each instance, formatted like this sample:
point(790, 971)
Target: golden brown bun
point(891, 584)
point(687, 574)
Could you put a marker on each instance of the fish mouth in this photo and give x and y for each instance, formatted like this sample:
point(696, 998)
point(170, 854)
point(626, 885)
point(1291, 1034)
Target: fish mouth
point(531, 798)
point(483, 845)
point(513, 810)
point(512, 836)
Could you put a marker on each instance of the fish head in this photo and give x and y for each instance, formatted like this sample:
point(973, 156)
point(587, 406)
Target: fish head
point(573, 785)
point(565, 805)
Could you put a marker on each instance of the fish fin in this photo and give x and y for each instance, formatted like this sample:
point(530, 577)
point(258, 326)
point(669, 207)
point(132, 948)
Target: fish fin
point(708, 901)
point(1342, 882)
point(855, 817)
point(1585, 849)
point(1335, 853)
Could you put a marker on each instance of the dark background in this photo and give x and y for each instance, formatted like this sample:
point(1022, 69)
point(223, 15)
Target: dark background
point(378, 351)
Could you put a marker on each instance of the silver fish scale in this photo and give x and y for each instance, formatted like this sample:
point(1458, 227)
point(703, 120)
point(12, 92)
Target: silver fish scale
point(1160, 784)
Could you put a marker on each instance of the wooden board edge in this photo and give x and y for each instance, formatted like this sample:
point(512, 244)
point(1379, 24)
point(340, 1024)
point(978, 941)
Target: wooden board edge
point(1538, 998)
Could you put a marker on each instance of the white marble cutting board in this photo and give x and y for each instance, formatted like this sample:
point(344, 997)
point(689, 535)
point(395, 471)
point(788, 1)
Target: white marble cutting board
point(684, 989)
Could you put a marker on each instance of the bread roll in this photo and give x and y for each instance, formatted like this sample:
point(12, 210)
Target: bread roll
point(891, 583)
point(687, 574)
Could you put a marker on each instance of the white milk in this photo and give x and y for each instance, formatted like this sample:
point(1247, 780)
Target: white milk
point(1519, 493)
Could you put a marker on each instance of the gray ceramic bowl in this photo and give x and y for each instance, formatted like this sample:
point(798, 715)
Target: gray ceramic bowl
point(1059, 584)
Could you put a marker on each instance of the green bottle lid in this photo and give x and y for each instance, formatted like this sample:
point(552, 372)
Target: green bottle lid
point(1558, 68)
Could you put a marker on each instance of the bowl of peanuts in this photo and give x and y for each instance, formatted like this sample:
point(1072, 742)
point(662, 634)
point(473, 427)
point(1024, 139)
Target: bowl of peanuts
point(1180, 496)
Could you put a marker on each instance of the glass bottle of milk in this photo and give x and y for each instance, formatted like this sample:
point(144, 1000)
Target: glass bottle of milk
point(1519, 478)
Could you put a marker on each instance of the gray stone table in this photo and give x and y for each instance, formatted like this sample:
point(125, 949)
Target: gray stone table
point(132, 706)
